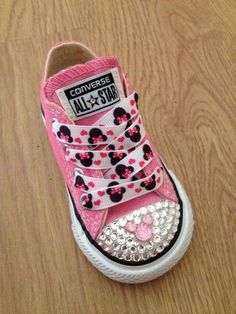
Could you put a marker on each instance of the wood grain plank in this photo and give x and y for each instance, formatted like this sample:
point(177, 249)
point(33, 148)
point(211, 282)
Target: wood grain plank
point(180, 56)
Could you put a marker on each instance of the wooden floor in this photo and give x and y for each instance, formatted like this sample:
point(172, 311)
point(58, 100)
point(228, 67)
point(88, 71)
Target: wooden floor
point(181, 57)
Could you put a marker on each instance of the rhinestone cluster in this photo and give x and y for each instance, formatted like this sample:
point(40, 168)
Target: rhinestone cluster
point(127, 245)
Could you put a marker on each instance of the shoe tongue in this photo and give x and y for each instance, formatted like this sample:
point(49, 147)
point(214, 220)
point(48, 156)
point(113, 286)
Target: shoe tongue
point(84, 90)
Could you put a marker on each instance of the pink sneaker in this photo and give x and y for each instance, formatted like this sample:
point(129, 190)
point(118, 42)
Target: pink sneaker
point(130, 215)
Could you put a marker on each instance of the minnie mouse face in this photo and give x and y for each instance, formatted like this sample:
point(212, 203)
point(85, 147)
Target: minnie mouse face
point(150, 183)
point(123, 171)
point(64, 134)
point(147, 152)
point(116, 157)
point(96, 136)
point(85, 158)
point(116, 194)
point(87, 201)
point(134, 134)
point(79, 183)
point(121, 116)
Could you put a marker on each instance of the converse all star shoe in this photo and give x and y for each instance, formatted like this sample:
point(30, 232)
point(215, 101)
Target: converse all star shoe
point(130, 214)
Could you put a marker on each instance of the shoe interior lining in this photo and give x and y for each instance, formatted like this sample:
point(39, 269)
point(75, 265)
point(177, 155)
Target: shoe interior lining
point(64, 56)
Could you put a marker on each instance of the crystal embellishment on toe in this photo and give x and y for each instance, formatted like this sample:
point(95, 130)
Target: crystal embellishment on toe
point(144, 233)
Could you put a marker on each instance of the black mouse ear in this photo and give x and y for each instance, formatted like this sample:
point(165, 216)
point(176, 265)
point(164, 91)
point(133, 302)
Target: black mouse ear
point(77, 156)
point(115, 113)
point(70, 140)
point(118, 111)
point(119, 169)
point(136, 97)
point(91, 155)
point(94, 132)
point(153, 176)
point(127, 134)
point(123, 190)
point(145, 148)
point(131, 168)
point(65, 130)
point(109, 191)
point(79, 179)
point(142, 184)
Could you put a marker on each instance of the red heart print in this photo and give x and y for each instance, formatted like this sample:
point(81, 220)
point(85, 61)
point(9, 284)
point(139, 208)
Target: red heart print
point(91, 184)
point(97, 162)
point(67, 152)
point(121, 147)
point(158, 170)
point(103, 155)
point(132, 102)
point(78, 140)
point(110, 132)
point(131, 185)
point(133, 111)
point(84, 132)
point(158, 180)
point(138, 190)
point(131, 161)
point(97, 203)
point(101, 193)
point(121, 139)
point(141, 163)
point(113, 176)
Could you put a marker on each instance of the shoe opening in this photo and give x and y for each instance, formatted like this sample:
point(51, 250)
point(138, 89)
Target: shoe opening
point(65, 55)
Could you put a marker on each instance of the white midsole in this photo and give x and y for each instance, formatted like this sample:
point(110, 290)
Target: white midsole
point(142, 273)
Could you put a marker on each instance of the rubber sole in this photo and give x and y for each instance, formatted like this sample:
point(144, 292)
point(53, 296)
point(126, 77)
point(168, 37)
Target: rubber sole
point(142, 273)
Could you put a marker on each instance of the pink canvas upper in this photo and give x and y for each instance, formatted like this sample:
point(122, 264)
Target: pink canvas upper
point(93, 220)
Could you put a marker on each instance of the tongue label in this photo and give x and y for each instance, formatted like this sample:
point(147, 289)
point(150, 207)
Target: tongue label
point(92, 95)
